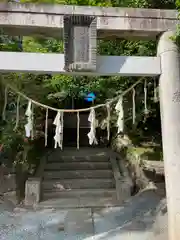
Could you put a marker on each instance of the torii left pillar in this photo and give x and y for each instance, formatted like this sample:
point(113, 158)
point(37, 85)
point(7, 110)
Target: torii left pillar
point(169, 87)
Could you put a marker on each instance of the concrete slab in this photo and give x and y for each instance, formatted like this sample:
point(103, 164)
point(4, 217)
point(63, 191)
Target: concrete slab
point(46, 224)
point(32, 225)
point(132, 221)
point(79, 221)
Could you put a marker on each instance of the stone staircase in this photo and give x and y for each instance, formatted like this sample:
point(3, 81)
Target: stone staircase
point(85, 180)
point(89, 177)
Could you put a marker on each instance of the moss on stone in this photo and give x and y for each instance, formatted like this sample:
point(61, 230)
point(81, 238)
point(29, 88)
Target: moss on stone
point(145, 153)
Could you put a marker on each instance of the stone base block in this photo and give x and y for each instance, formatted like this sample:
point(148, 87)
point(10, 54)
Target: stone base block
point(32, 191)
point(125, 190)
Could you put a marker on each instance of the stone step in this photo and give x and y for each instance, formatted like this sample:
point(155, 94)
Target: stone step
point(75, 174)
point(99, 193)
point(63, 203)
point(95, 158)
point(78, 184)
point(78, 166)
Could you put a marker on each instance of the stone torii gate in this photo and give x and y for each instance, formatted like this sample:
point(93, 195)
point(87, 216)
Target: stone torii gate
point(47, 20)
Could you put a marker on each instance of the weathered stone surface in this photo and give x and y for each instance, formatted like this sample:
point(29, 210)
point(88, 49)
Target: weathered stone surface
point(78, 184)
point(32, 191)
point(96, 193)
point(68, 166)
point(120, 142)
point(6, 205)
point(87, 10)
point(154, 166)
point(80, 42)
point(8, 184)
point(7, 180)
point(76, 174)
point(138, 219)
point(133, 220)
point(160, 226)
point(79, 221)
point(111, 22)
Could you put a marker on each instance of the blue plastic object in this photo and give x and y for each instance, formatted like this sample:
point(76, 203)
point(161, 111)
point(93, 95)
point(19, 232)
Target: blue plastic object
point(90, 97)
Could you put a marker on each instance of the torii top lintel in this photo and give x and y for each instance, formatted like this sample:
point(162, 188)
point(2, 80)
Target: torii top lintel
point(46, 19)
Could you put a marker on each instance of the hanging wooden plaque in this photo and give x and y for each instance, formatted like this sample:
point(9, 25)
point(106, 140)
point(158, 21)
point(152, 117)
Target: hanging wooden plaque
point(80, 34)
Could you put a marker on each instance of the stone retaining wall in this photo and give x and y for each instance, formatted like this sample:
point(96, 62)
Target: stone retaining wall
point(142, 171)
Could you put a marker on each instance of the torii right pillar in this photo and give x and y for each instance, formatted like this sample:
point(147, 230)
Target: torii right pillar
point(169, 88)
